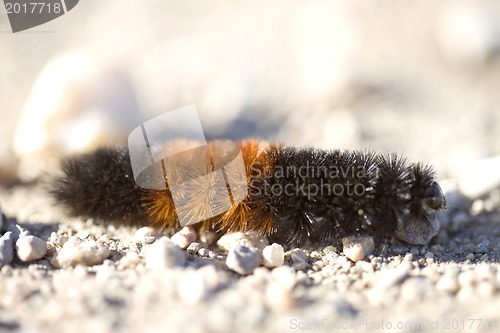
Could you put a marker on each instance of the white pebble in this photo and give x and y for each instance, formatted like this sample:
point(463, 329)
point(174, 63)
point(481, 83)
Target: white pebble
point(184, 237)
point(80, 252)
point(358, 247)
point(243, 259)
point(146, 235)
point(299, 259)
point(164, 254)
point(195, 286)
point(284, 276)
point(130, 260)
point(6, 248)
point(203, 252)
point(194, 247)
point(249, 239)
point(466, 278)
point(486, 289)
point(30, 248)
point(447, 283)
point(192, 288)
point(278, 298)
point(273, 255)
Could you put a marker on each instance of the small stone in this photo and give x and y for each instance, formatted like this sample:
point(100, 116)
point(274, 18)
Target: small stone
point(414, 251)
point(30, 248)
point(6, 249)
point(447, 283)
point(243, 259)
point(330, 249)
point(130, 260)
point(184, 237)
point(460, 220)
point(391, 277)
point(485, 272)
point(77, 251)
point(415, 288)
point(470, 257)
point(466, 293)
point(397, 259)
point(486, 289)
point(477, 207)
point(429, 255)
point(284, 276)
point(483, 246)
point(194, 247)
point(315, 255)
point(164, 254)
point(203, 252)
point(56, 240)
point(273, 255)
point(399, 249)
point(299, 259)
point(466, 278)
point(358, 247)
point(146, 235)
point(365, 266)
point(279, 298)
point(249, 239)
point(192, 288)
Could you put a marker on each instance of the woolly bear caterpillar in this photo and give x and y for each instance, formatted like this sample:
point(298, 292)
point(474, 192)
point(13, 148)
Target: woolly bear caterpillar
point(294, 195)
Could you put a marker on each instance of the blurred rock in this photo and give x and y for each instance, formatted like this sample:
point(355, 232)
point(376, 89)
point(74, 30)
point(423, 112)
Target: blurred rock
point(184, 237)
point(469, 32)
point(77, 251)
point(358, 247)
point(249, 239)
point(243, 259)
point(164, 254)
point(273, 255)
point(30, 248)
point(480, 178)
point(76, 104)
point(195, 286)
point(146, 235)
point(299, 259)
point(6, 249)
point(1, 219)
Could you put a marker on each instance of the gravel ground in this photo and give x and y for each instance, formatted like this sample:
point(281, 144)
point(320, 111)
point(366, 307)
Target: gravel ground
point(141, 281)
point(417, 79)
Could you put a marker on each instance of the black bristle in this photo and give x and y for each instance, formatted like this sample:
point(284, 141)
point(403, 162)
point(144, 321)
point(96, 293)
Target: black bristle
point(100, 185)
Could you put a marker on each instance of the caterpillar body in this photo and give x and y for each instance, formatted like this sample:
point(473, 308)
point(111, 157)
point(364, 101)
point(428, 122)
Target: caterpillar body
point(294, 195)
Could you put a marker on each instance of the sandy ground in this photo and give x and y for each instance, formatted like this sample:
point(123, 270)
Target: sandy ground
point(453, 283)
point(416, 79)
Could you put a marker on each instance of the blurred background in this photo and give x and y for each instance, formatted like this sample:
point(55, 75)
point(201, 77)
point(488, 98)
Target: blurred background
point(416, 77)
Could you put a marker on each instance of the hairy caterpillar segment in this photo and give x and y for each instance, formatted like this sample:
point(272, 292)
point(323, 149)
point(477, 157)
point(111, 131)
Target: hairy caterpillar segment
point(246, 215)
point(100, 185)
point(294, 194)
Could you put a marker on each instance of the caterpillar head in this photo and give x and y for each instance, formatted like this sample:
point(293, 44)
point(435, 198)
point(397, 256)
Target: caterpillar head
point(419, 223)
